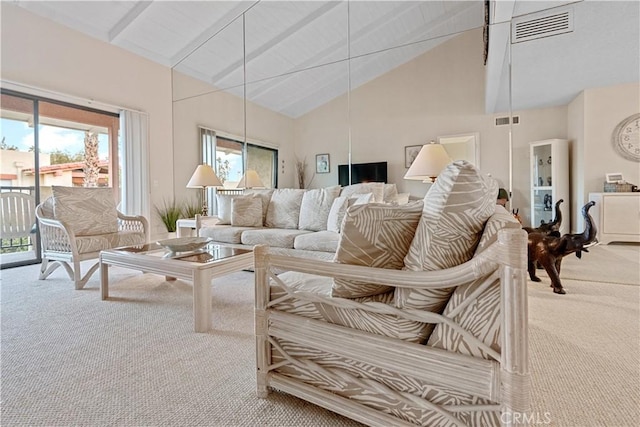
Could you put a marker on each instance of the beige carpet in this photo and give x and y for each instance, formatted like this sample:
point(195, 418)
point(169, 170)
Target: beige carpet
point(617, 263)
point(70, 359)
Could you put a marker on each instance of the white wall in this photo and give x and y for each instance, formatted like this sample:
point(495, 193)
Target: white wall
point(41, 53)
point(602, 109)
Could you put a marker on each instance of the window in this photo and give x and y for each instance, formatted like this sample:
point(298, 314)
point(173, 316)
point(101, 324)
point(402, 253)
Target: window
point(225, 154)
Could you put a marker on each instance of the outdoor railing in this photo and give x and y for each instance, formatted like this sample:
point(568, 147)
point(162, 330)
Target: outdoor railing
point(18, 244)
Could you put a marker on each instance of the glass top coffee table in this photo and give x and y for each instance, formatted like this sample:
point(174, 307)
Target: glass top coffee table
point(199, 267)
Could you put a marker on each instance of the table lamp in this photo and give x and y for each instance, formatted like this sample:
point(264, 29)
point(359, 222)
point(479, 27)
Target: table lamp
point(250, 180)
point(429, 162)
point(204, 177)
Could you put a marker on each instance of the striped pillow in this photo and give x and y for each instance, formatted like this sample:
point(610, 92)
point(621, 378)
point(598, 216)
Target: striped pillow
point(482, 318)
point(456, 208)
point(374, 235)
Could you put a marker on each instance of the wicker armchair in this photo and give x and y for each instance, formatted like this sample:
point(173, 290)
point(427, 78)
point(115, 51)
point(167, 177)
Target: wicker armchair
point(383, 381)
point(61, 246)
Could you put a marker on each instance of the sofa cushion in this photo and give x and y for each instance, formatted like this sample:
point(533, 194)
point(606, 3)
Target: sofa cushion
point(246, 211)
point(375, 235)
point(315, 208)
point(88, 211)
point(265, 195)
point(224, 233)
point(377, 188)
point(284, 208)
point(100, 242)
point(381, 324)
point(325, 241)
point(456, 208)
point(279, 237)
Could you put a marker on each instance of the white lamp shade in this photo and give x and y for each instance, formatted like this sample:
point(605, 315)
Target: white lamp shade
point(430, 161)
point(250, 180)
point(204, 176)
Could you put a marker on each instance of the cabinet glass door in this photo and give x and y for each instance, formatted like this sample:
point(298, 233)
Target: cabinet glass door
point(542, 185)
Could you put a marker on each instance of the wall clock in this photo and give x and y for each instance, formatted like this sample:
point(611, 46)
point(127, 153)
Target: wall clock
point(626, 138)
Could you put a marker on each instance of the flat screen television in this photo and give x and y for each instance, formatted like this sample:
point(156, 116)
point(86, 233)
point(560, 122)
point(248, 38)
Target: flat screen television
point(362, 172)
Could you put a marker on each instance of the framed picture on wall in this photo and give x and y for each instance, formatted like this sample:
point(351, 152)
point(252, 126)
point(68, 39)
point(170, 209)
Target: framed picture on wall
point(322, 163)
point(410, 154)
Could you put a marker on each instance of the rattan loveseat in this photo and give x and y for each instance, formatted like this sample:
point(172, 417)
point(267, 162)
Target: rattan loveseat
point(381, 359)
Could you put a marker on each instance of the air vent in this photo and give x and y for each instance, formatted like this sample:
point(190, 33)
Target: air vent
point(531, 27)
point(503, 121)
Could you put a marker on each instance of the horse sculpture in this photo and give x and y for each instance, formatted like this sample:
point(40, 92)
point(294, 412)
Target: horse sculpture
point(548, 250)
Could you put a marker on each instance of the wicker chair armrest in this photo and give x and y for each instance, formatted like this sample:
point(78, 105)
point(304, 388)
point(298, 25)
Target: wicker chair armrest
point(133, 223)
point(56, 235)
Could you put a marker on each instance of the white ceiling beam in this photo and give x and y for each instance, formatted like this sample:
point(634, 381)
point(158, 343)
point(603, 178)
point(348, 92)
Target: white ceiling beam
point(269, 44)
point(127, 19)
point(212, 31)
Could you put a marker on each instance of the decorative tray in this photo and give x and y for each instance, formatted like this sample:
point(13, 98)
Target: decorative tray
point(185, 244)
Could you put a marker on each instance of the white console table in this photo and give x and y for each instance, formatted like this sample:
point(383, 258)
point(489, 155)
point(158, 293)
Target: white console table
point(186, 226)
point(617, 216)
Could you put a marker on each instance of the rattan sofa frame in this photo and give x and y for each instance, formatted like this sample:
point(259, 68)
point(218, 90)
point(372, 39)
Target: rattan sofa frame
point(504, 378)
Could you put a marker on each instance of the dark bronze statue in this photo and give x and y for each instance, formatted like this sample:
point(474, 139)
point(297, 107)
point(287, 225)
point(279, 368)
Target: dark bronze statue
point(548, 250)
point(552, 227)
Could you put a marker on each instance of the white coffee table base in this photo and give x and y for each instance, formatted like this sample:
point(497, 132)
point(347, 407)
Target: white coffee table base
point(200, 274)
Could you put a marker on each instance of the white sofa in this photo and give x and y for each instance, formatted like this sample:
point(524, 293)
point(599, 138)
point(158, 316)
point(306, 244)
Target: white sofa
point(302, 222)
point(430, 325)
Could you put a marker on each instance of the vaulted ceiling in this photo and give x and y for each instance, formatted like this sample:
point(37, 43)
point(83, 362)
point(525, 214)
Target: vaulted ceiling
point(204, 39)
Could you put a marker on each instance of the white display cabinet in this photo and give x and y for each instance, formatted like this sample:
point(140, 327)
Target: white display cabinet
point(550, 182)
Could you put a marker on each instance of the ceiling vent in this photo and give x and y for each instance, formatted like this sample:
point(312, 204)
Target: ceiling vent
point(502, 121)
point(531, 27)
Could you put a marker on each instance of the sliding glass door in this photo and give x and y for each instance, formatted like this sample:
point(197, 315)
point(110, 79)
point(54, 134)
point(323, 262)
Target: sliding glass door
point(46, 143)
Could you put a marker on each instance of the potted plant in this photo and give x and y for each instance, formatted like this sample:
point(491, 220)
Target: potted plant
point(169, 213)
point(191, 209)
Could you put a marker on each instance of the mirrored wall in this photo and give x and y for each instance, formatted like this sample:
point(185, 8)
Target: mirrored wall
point(338, 83)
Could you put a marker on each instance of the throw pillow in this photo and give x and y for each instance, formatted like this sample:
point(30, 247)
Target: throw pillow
point(224, 207)
point(362, 199)
point(339, 209)
point(377, 188)
point(315, 207)
point(390, 192)
point(246, 211)
point(265, 195)
point(337, 213)
point(284, 208)
point(88, 210)
point(456, 208)
point(374, 235)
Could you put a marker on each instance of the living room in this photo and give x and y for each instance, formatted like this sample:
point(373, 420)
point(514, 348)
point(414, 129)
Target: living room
point(409, 106)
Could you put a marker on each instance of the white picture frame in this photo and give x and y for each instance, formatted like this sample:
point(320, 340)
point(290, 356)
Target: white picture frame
point(614, 178)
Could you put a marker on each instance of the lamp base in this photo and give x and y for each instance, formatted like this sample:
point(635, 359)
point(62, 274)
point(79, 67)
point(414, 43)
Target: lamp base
point(205, 208)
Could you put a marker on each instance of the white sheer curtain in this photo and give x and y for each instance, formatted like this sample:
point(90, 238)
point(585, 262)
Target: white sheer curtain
point(135, 163)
